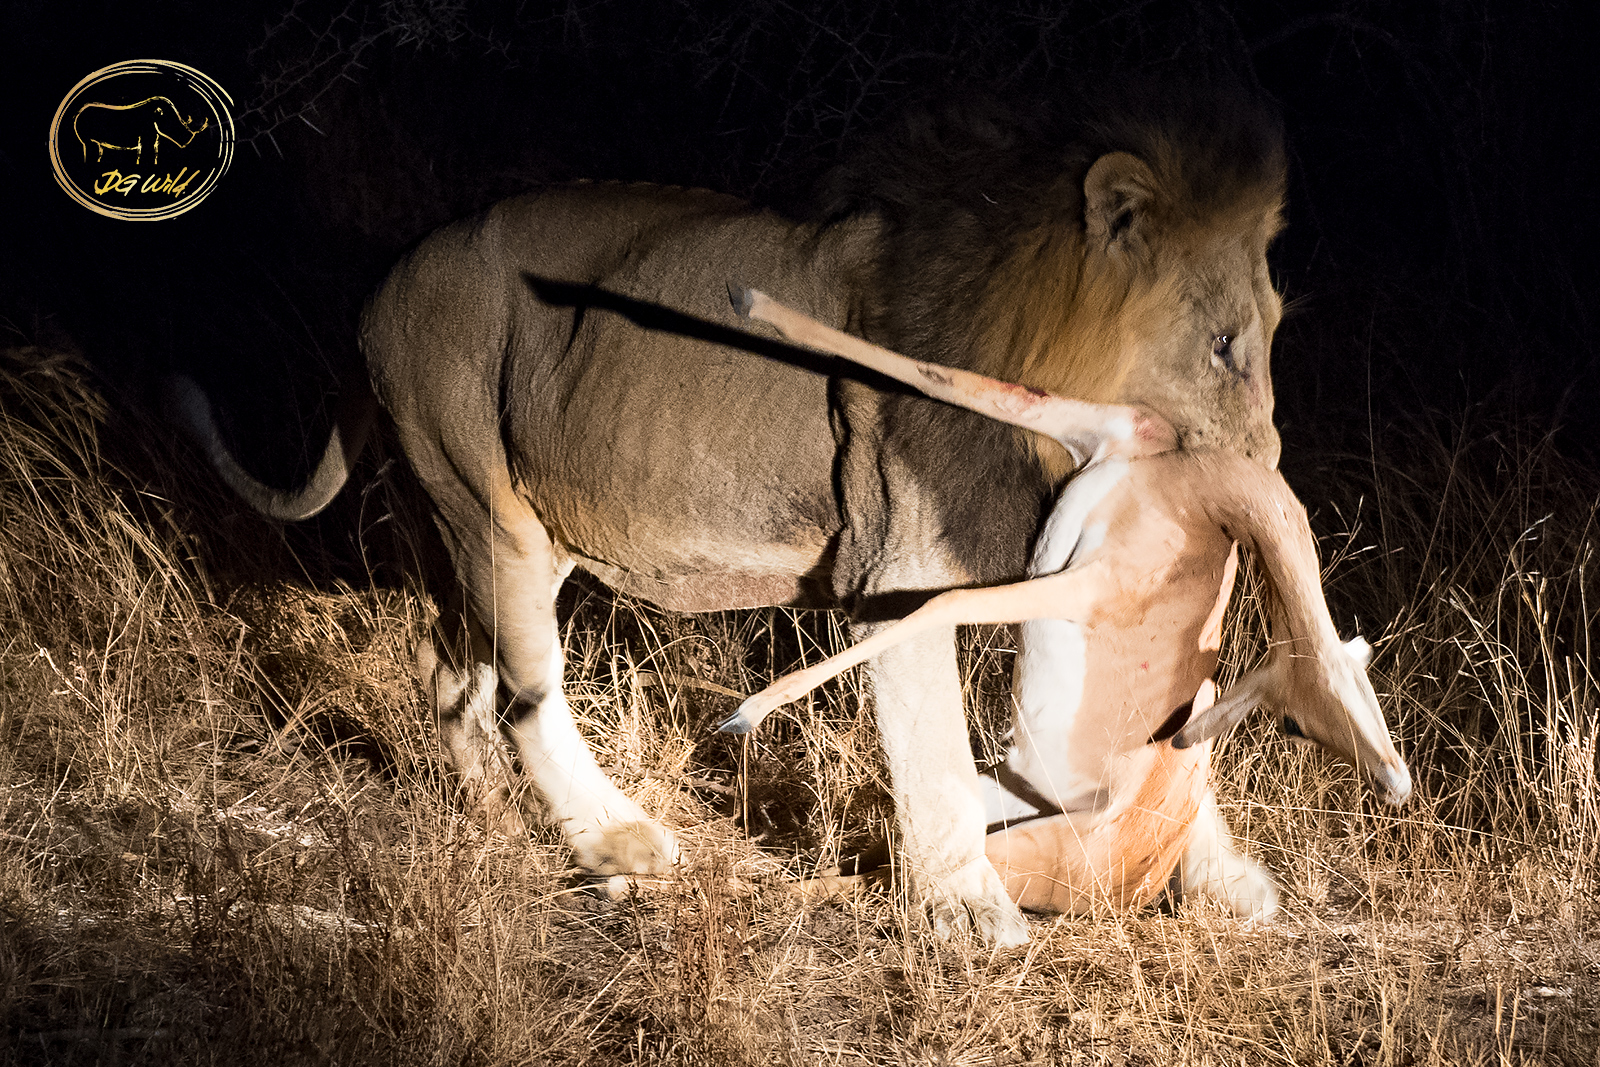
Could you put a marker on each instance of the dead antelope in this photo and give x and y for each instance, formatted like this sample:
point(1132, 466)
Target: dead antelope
point(1102, 792)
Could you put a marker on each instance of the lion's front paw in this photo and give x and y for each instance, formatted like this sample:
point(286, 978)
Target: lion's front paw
point(1252, 893)
point(639, 847)
point(1235, 881)
point(973, 899)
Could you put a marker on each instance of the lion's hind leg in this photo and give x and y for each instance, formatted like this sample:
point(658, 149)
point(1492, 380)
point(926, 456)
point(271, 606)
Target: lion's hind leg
point(457, 670)
point(511, 578)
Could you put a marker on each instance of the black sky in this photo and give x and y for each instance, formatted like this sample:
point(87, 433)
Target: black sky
point(1442, 201)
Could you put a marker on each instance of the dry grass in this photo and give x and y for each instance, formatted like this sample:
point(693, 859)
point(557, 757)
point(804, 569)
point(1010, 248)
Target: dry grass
point(225, 836)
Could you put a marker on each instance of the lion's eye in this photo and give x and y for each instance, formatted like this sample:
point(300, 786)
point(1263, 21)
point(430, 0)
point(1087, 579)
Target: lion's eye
point(1222, 350)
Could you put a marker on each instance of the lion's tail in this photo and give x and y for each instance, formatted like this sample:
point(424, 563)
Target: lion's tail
point(187, 404)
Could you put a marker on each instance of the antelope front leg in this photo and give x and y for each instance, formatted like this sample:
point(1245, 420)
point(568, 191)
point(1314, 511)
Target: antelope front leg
point(918, 694)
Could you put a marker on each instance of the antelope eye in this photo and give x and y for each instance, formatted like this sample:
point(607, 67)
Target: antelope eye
point(1222, 350)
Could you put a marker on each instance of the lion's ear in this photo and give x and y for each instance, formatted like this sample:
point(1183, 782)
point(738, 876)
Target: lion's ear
point(1117, 191)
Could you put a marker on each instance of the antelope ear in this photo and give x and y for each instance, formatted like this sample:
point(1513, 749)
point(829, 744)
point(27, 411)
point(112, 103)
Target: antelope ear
point(1226, 713)
point(1359, 650)
point(1117, 192)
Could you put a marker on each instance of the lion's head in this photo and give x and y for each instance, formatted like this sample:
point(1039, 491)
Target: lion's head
point(1116, 254)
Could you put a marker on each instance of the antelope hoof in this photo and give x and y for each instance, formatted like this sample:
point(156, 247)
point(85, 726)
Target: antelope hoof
point(736, 724)
point(743, 721)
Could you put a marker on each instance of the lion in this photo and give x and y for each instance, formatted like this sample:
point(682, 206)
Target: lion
point(567, 380)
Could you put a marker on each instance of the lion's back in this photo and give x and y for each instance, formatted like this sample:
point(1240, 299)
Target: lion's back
point(584, 335)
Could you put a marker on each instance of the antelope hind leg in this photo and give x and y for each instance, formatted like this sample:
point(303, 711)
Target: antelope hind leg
point(1068, 594)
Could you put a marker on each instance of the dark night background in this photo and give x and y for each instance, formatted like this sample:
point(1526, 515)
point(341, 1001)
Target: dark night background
point(1441, 206)
point(1437, 388)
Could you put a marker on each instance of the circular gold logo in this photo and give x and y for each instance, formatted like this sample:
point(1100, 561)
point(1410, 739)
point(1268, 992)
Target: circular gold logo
point(142, 140)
